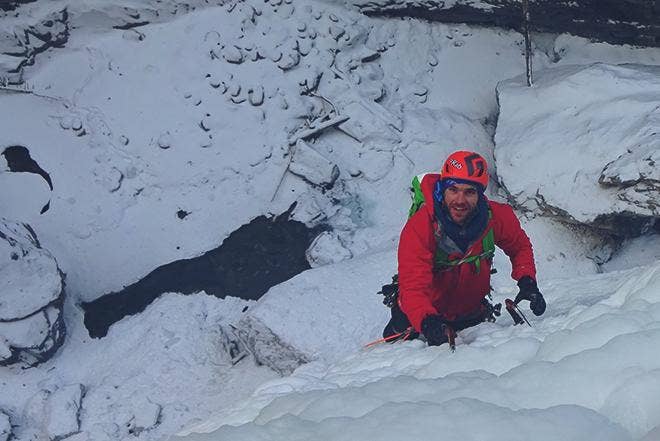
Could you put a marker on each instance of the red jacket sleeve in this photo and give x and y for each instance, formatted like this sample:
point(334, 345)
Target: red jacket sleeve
point(416, 254)
point(513, 240)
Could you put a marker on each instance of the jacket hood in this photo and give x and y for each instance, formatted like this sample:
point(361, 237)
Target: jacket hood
point(427, 185)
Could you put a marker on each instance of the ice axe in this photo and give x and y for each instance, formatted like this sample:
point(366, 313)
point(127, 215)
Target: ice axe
point(451, 337)
point(515, 312)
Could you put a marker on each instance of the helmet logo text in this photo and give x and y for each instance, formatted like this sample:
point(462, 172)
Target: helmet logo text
point(456, 164)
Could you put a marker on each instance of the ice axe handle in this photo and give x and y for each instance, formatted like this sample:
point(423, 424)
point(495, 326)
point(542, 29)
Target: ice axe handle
point(516, 314)
point(451, 337)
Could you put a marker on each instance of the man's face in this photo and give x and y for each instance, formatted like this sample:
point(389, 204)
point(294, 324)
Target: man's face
point(461, 201)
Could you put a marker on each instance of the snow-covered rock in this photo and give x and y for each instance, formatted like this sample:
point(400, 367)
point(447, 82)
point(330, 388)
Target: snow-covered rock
point(312, 166)
point(592, 129)
point(326, 249)
point(31, 29)
point(31, 323)
point(268, 348)
point(63, 411)
point(54, 413)
point(25, 38)
point(29, 273)
point(147, 416)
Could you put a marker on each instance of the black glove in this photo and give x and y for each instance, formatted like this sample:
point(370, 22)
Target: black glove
point(529, 291)
point(433, 328)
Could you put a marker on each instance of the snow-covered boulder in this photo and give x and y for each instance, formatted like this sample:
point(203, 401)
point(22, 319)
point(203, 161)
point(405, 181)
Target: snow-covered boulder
point(312, 166)
point(25, 37)
point(592, 129)
point(31, 323)
point(322, 313)
point(327, 248)
point(64, 408)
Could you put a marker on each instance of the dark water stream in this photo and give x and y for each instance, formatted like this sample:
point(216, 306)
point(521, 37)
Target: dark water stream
point(263, 253)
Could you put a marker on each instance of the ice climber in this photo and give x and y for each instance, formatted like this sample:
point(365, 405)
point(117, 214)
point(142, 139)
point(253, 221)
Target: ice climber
point(446, 250)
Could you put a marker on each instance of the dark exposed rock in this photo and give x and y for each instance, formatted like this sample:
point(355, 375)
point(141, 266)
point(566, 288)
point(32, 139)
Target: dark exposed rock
point(625, 224)
point(10, 5)
point(635, 22)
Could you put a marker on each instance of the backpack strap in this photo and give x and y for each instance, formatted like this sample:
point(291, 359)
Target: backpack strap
point(443, 263)
point(417, 195)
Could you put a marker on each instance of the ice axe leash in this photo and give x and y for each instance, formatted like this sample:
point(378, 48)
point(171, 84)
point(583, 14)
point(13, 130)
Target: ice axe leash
point(394, 337)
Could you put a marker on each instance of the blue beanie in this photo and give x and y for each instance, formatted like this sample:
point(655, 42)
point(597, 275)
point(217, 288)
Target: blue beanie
point(444, 184)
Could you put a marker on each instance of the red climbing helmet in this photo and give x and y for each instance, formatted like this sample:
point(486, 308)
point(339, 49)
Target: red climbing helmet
point(466, 166)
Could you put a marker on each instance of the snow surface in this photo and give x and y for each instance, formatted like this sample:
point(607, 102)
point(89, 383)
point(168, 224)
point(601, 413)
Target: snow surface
point(110, 103)
point(135, 125)
point(585, 370)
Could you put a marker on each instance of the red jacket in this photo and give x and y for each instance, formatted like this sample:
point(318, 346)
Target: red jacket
point(457, 291)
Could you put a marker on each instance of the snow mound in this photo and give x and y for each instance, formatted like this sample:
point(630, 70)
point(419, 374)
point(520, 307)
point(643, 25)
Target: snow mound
point(155, 369)
point(603, 118)
point(428, 420)
point(31, 323)
point(321, 313)
point(583, 371)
